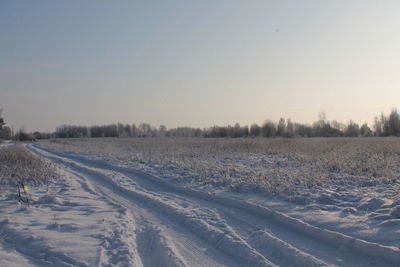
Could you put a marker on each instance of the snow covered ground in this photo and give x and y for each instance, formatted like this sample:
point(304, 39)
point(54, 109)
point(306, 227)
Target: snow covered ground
point(108, 207)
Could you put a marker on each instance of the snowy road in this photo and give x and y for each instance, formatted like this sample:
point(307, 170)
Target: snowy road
point(167, 225)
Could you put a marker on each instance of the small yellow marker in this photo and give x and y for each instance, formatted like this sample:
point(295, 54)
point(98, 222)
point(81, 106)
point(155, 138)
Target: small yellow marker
point(26, 188)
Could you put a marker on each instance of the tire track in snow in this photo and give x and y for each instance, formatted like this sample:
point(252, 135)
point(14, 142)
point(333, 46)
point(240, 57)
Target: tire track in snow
point(136, 235)
point(148, 234)
point(117, 243)
point(150, 244)
point(157, 244)
point(225, 240)
point(322, 239)
point(268, 244)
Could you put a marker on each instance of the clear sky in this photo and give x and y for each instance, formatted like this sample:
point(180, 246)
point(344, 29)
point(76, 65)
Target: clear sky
point(196, 63)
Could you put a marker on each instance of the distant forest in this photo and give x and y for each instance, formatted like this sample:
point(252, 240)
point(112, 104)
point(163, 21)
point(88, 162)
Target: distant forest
point(384, 125)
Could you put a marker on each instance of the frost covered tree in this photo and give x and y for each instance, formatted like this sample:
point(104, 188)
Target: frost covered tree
point(162, 131)
point(378, 126)
point(385, 125)
point(237, 131)
point(5, 132)
point(280, 128)
point(303, 130)
point(72, 131)
point(127, 130)
point(134, 131)
point(290, 130)
point(120, 129)
point(254, 130)
point(2, 123)
point(394, 123)
point(268, 129)
point(245, 131)
point(365, 131)
point(144, 130)
point(324, 128)
point(352, 129)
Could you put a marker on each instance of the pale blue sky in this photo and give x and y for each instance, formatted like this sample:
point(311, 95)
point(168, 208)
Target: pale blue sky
point(196, 63)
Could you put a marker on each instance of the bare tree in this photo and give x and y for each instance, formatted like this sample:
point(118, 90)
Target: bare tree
point(289, 129)
point(394, 123)
point(254, 130)
point(134, 131)
point(1, 119)
point(280, 129)
point(378, 126)
point(162, 130)
point(365, 131)
point(268, 129)
point(352, 129)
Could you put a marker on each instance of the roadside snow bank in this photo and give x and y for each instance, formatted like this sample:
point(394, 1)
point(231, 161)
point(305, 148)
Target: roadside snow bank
point(63, 226)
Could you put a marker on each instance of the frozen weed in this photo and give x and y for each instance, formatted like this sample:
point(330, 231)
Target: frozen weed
point(260, 164)
point(17, 164)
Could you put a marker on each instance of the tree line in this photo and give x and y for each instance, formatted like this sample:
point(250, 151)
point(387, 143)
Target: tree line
point(384, 125)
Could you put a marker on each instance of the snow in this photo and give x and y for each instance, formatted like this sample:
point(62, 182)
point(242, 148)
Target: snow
point(102, 211)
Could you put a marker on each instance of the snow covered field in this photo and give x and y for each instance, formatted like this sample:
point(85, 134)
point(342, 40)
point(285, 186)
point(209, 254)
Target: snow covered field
point(205, 202)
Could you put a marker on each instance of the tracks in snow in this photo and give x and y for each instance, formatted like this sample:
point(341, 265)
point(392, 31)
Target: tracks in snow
point(173, 226)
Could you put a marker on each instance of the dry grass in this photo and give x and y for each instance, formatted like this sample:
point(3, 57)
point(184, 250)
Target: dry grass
point(273, 165)
point(18, 164)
